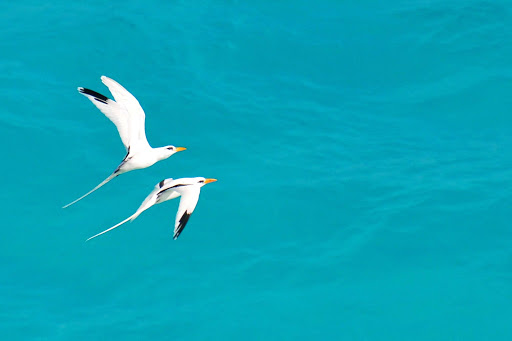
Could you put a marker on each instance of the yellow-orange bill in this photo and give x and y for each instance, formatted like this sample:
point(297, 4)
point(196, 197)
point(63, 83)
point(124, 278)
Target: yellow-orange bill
point(207, 181)
point(179, 149)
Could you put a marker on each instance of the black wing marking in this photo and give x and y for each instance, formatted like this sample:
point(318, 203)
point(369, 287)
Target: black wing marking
point(181, 226)
point(97, 96)
point(125, 160)
point(167, 189)
point(179, 185)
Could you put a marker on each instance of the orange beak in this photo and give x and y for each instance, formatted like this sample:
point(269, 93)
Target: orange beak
point(207, 181)
point(179, 149)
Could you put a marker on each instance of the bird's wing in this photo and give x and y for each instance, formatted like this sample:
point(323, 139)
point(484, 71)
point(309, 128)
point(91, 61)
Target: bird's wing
point(136, 116)
point(163, 183)
point(188, 202)
point(116, 113)
point(165, 190)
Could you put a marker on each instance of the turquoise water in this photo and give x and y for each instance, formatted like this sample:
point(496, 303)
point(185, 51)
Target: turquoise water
point(363, 156)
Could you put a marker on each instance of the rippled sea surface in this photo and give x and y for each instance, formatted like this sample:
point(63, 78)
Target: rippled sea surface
point(363, 151)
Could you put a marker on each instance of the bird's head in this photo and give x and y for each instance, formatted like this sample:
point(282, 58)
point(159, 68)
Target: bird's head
point(170, 150)
point(203, 181)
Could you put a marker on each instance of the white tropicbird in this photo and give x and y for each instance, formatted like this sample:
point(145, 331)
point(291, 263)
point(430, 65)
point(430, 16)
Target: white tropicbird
point(127, 115)
point(188, 188)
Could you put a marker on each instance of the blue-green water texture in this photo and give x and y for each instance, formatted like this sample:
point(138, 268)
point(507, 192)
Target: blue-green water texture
point(363, 151)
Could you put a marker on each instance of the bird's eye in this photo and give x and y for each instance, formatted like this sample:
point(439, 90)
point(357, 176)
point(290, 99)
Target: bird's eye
point(201, 181)
point(170, 148)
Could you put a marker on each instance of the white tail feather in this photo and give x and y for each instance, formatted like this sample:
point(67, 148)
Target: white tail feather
point(150, 201)
point(92, 190)
point(113, 227)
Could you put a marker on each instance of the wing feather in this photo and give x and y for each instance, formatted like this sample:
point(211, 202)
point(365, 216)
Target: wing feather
point(188, 202)
point(136, 117)
point(112, 110)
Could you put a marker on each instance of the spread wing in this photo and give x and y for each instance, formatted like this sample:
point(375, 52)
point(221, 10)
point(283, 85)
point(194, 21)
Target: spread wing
point(188, 202)
point(112, 110)
point(136, 117)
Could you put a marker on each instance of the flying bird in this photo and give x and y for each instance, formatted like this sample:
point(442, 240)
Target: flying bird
point(127, 115)
point(187, 188)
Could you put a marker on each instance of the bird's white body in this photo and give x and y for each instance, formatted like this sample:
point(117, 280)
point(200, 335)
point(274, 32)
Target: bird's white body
point(142, 158)
point(189, 190)
point(129, 118)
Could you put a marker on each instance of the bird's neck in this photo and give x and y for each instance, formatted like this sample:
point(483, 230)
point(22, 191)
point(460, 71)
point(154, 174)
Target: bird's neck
point(162, 153)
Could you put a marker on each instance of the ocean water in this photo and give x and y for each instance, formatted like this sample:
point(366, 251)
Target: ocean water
point(363, 151)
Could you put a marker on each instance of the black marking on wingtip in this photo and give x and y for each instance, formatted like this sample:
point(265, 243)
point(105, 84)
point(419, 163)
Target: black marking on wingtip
point(161, 183)
point(97, 96)
point(181, 226)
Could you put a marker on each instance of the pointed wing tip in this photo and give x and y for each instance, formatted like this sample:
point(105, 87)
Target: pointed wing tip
point(80, 89)
point(163, 182)
point(109, 82)
point(182, 223)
